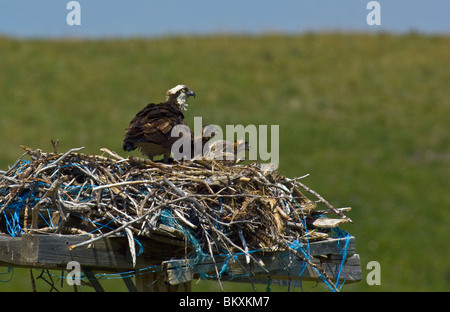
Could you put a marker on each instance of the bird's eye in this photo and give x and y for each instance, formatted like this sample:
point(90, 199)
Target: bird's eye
point(183, 90)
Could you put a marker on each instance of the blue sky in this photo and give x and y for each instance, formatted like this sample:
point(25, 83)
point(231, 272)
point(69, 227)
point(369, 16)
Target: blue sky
point(147, 18)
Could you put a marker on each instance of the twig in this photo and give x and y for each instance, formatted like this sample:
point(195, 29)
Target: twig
point(55, 146)
point(113, 154)
point(120, 228)
point(244, 243)
point(213, 260)
point(323, 200)
point(181, 193)
point(60, 159)
point(178, 214)
point(101, 187)
point(13, 166)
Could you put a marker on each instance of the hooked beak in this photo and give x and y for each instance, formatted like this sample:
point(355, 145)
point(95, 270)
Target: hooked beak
point(190, 93)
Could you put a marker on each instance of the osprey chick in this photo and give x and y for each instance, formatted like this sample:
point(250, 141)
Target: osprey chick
point(226, 152)
point(150, 129)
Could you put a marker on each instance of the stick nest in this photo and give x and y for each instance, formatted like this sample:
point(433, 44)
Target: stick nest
point(216, 207)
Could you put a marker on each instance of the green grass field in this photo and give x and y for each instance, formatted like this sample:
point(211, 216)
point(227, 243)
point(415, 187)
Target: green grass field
point(366, 115)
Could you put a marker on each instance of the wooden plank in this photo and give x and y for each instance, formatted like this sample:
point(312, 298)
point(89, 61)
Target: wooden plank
point(279, 268)
point(351, 273)
point(274, 264)
point(51, 251)
point(332, 246)
point(351, 270)
point(110, 254)
point(10, 249)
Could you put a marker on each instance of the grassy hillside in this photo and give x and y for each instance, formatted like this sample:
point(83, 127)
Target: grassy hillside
point(366, 115)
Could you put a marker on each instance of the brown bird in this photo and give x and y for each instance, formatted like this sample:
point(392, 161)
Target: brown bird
point(150, 130)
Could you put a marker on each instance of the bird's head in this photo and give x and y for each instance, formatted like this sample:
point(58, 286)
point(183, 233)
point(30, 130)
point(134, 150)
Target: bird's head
point(179, 94)
point(241, 145)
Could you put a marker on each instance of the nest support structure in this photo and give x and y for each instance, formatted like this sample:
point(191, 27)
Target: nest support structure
point(186, 219)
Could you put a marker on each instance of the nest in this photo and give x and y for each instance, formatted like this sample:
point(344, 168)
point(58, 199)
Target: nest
point(218, 208)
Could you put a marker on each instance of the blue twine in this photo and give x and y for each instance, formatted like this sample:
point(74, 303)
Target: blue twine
point(221, 204)
point(141, 248)
point(23, 164)
point(50, 225)
point(13, 220)
point(342, 234)
point(106, 225)
point(296, 245)
point(224, 269)
point(168, 219)
point(337, 233)
point(13, 223)
point(308, 250)
point(110, 276)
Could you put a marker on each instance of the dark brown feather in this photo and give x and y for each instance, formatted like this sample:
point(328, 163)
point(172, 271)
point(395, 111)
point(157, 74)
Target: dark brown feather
point(154, 124)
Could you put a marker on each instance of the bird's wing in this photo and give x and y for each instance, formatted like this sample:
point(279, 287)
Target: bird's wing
point(154, 125)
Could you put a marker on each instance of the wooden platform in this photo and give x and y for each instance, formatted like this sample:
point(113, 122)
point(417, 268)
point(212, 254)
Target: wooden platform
point(112, 255)
point(280, 267)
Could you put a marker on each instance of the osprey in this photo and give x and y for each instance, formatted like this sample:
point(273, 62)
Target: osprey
point(226, 152)
point(150, 130)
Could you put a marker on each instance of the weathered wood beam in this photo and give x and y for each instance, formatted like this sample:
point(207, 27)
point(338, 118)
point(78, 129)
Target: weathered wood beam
point(110, 254)
point(351, 273)
point(284, 265)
